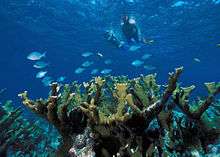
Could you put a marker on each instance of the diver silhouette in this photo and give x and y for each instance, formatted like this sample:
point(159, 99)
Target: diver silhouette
point(130, 29)
point(131, 33)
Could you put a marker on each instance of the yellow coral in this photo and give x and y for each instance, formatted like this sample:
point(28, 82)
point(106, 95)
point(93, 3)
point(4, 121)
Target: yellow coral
point(212, 87)
point(184, 93)
point(149, 85)
point(121, 90)
point(131, 103)
point(99, 81)
point(121, 96)
point(26, 101)
point(139, 90)
point(188, 90)
point(86, 84)
point(150, 81)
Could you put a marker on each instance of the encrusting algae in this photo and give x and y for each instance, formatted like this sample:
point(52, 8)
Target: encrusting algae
point(129, 118)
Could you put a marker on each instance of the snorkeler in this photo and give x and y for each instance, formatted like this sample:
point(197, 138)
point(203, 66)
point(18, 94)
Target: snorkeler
point(130, 29)
point(131, 33)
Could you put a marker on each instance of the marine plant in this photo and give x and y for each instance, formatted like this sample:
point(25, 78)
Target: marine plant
point(116, 116)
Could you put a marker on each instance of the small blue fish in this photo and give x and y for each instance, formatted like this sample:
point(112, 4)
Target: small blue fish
point(216, 1)
point(2, 90)
point(179, 4)
point(86, 54)
point(47, 81)
point(197, 60)
point(130, 1)
point(106, 71)
point(79, 70)
point(149, 67)
point(134, 48)
point(108, 61)
point(137, 63)
point(61, 79)
point(40, 65)
point(36, 55)
point(87, 64)
point(41, 74)
point(146, 56)
point(94, 71)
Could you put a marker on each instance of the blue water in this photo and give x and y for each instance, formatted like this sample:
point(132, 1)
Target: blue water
point(181, 30)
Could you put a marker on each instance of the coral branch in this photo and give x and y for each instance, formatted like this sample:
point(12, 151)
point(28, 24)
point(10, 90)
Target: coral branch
point(16, 133)
point(119, 114)
point(59, 118)
point(182, 95)
point(171, 85)
point(157, 107)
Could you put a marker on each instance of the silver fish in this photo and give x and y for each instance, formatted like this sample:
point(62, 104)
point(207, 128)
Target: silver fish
point(197, 60)
point(134, 48)
point(41, 74)
point(146, 56)
point(61, 79)
point(40, 65)
point(179, 4)
point(137, 63)
point(47, 81)
point(87, 64)
point(79, 70)
point(216, 1)
point(36, 55)
point(2, 90)
point(149, 67)
point(106, 71)
point(86, 54)
point(94, 71)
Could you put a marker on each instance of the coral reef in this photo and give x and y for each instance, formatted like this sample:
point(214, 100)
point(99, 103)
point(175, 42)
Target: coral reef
point(18, 136)
point(116, 116)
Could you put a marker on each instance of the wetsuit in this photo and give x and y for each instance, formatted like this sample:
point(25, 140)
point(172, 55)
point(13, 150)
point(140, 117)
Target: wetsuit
point(130, 31)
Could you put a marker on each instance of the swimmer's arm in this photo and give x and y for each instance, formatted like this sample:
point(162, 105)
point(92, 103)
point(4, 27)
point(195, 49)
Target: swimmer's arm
point(135, 28)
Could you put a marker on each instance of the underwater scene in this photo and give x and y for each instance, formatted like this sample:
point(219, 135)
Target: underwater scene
point(110, 78)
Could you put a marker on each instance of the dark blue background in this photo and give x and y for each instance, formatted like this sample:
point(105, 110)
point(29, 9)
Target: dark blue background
point(65, 29)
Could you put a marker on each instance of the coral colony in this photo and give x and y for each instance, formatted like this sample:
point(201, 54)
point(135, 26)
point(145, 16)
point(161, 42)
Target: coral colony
point(20, 137)
point(116, 116)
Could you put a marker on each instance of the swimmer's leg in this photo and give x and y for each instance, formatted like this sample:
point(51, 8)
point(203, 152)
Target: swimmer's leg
point(129, 41)
point(136, 38)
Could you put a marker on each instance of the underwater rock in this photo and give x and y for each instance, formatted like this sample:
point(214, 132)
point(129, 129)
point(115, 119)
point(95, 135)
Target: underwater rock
point(119, 113)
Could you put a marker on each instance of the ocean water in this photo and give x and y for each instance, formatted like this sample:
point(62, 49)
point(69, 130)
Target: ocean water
point(65, 29)
point(184, 33)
